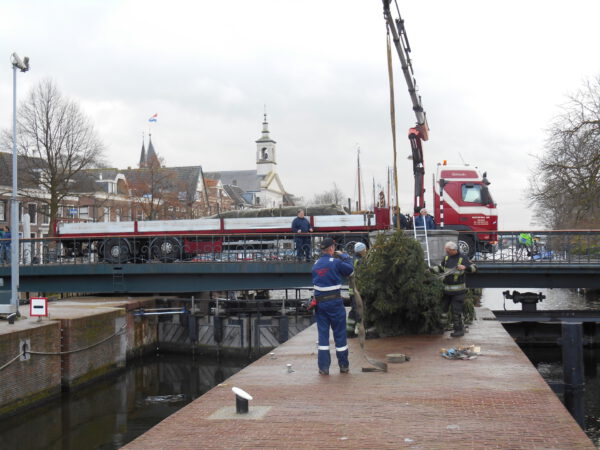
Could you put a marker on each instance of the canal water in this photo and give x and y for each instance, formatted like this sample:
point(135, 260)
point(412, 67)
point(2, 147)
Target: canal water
point(492, 298)
point(548, 360)
point(113, 412)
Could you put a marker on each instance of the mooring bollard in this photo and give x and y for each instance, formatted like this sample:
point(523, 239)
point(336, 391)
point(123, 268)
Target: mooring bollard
point(284, 329)
point(241, 400)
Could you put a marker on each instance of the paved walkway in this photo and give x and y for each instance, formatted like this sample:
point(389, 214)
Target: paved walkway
point(495, 401)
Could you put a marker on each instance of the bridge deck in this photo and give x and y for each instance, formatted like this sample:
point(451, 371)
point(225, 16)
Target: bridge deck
point(497, 400)
point(206, 276)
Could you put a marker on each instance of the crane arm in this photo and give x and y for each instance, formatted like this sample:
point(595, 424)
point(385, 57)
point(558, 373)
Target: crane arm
point(398, 32)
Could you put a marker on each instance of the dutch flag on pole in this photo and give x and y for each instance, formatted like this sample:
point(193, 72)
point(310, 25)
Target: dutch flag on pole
point(153, 118)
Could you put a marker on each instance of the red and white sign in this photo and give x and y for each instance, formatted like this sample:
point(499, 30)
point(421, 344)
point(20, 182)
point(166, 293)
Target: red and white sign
point(38, 307)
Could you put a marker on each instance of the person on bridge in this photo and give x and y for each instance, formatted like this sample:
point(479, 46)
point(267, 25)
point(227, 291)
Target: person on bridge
point(327, 275)
point(424, 220)
point(360, 251)
point(403, 220)
point(455, 288)
point(301, 225)
point(526, 243)
point(5, 245)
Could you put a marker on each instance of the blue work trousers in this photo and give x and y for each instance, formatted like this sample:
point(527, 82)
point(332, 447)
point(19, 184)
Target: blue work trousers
point(4, 253)
point(332, 314)
point(303, 247)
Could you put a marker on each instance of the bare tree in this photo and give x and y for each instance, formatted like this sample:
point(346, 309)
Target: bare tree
point(56, 141)
point(334, 196)
point(157, 192)
point(566, 185)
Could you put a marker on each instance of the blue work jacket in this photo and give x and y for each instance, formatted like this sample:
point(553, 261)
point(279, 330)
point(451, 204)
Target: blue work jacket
point(300, 224)
point(428, 221)
point(327, 273)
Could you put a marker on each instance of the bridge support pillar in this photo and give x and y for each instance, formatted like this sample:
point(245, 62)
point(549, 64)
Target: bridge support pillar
point(572, 354)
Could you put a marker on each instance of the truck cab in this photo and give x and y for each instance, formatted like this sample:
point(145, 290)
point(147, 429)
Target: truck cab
point(463, 202)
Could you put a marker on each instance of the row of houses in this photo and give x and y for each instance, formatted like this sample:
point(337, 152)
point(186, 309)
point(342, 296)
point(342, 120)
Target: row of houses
point(152, 191)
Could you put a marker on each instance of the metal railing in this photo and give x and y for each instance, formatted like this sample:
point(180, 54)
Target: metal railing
point(543, 247)
point(539, 247)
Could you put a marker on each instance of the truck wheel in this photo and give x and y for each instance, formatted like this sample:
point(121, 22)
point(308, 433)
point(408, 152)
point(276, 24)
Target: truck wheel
point(166, 249)
point(116, 251)
point(466, 245)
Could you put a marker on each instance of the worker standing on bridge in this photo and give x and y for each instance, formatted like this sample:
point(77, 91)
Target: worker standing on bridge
point(403, 220)
point(455, 288)
point(301, 225)
point(327, 275)
point(424, 220)
point(5, 245)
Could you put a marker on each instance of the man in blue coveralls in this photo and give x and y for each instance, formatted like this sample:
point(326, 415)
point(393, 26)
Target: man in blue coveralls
point(301, 225)
point(327, 275)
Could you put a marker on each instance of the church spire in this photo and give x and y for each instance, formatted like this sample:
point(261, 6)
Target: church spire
point(151, 156)
point(143, 155)
point(265, 131)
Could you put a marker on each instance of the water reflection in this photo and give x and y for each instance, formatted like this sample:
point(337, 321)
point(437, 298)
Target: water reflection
point(111, 413)
point(555, 299)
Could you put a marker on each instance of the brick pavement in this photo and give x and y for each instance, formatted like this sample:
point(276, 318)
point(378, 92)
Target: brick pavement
point(495, 401)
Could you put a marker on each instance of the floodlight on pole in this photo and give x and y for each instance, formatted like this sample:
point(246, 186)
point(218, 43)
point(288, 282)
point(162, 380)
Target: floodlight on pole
point(23, 66)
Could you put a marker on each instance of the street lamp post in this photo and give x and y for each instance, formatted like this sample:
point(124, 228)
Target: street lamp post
point(23, 66)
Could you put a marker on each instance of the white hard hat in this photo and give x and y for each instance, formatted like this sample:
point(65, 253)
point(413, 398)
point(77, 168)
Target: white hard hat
point(359, 247)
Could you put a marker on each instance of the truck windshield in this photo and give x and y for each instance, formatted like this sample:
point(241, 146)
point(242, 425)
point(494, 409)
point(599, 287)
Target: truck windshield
point(471, 193)
point(476, 193)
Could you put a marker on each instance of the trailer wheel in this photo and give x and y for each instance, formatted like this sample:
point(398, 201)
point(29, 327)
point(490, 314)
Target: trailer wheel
point(116, 251)
point(349, 244)
point(166, 249)
point(466, 245)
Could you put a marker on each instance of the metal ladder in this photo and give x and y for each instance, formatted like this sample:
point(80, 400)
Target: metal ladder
point(118, 280)
point(421, 237)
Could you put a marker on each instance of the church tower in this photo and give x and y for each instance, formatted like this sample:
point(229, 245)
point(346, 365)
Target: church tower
point(265, 151)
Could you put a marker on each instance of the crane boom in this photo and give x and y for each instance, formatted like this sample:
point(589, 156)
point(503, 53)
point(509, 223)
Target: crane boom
point(421, 131)
point(398, 31)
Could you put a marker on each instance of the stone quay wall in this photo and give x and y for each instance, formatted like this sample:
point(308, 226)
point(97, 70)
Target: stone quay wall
point(30, 378)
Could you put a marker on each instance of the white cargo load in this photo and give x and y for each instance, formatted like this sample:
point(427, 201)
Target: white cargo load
point(258, 223)
point(96, 228)
point(354, 220)
point(159, 226)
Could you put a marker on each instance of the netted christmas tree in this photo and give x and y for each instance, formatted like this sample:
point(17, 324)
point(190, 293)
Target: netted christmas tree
point(401, 296)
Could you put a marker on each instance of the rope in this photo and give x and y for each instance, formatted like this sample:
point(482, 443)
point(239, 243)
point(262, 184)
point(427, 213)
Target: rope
point(441, 276)
point(83, 348)
point(11, 361)
point(393, 122)
point(119, 331)
point(378, 366)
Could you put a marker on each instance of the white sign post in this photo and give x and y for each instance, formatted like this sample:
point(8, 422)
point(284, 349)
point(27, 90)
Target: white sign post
point(38, 307)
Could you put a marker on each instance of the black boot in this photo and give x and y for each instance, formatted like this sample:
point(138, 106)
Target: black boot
point(457, 333)
point(458, 326)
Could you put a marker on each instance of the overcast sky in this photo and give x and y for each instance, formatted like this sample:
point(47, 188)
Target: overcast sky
point(492, 76)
